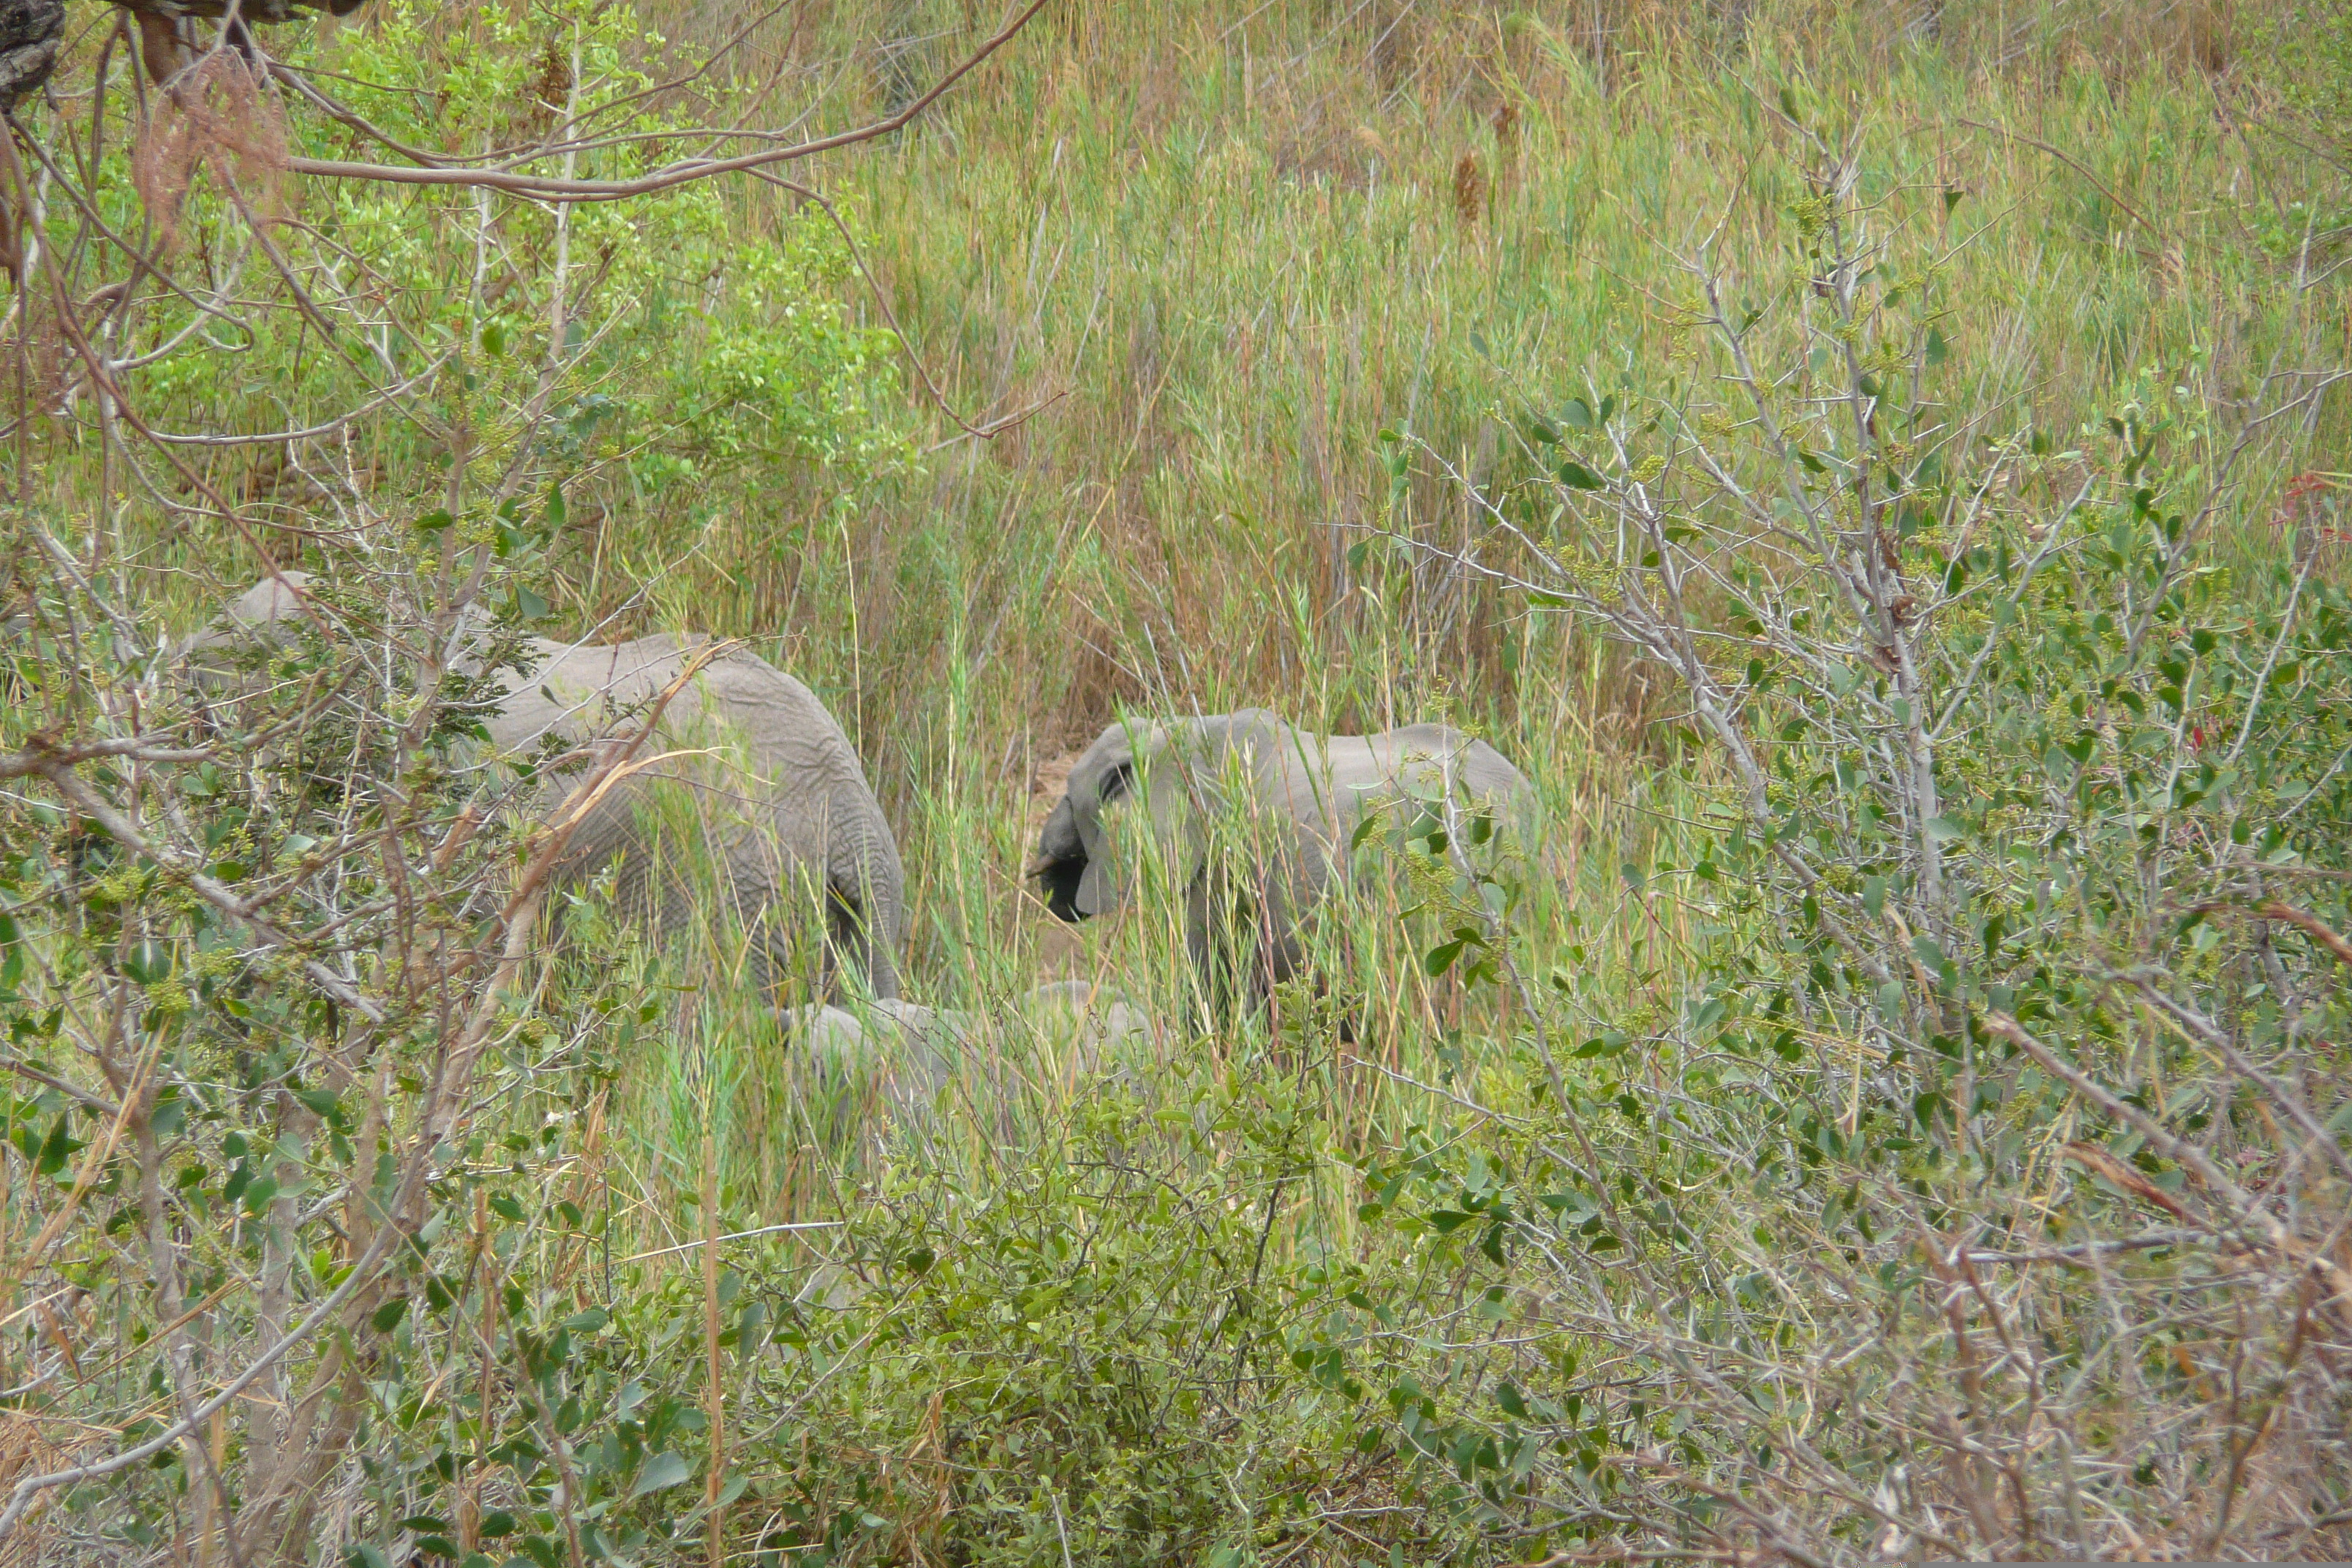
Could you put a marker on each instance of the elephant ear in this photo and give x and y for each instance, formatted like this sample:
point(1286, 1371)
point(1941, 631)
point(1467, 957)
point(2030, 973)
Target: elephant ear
point(1180, 787)
point(1144, 796)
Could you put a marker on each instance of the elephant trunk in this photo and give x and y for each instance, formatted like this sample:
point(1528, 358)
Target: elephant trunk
point(867, 911)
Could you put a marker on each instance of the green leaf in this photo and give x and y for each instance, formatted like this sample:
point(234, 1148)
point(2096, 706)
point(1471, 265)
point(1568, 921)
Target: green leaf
point(1938, 350)
point(1577, 476)
point(386, 1318)
point(528, 605)
point(57, 1148)
point(504, 1206)
point(1440, 959)
point(494, 340)
point(433, 521)
point(661, 1471)
point(148, 962)
point(589, 1321)
point(1513, 1402)
point(319, 1102)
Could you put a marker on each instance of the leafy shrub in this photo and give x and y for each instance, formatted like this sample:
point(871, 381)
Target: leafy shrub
point(1979, 1195)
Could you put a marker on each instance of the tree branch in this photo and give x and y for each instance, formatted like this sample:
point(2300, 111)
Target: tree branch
point(546, 188)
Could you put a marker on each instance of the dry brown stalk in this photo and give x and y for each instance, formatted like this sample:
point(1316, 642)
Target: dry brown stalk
point(2311, 926)
point(1469, 192)
point(222, 116)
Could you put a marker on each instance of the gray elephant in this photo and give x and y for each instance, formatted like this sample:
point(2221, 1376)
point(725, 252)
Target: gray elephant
point(776, 801)
point(1297, 799)
point(905, 1057)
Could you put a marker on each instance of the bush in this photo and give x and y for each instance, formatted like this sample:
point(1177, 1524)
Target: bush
point(1980, 1194)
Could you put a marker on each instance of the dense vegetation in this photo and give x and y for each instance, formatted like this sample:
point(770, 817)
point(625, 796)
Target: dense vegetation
point(1877, 469)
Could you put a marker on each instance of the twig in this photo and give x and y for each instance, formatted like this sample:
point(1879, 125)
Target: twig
point(2312, 927)
point(82, 1096)
point(2080, 1255)
point(546, 189)
point(2070, 162)
point(124, 832)
point(732, 1236)
point(25, 1490)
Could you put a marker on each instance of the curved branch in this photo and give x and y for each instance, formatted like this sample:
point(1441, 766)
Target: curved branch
point(547, 188)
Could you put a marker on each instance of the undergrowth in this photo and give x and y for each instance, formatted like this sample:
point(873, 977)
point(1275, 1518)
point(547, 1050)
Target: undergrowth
point(1896, 1115)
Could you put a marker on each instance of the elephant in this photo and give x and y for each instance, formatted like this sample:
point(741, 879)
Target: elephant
point(908, 1056)
point(1302, 798)
point(779, 800)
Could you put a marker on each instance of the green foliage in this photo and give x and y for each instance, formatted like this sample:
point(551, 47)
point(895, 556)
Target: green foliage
point(2027, 850)
point(624, 349)
point(1694, 1186)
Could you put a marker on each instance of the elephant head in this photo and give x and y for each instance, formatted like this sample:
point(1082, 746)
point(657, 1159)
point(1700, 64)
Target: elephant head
point(1255, 821)
point(1154, 778)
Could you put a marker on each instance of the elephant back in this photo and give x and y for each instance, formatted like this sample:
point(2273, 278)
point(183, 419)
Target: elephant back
point(740, 730)
point(775, 791)
point(1435, 754)
point(1331, 782)
point(254, 615)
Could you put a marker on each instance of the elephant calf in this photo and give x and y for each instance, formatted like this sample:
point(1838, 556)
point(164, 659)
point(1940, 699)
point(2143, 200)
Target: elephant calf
point(1300, 795)
point(905, 1057)
point(778, 804)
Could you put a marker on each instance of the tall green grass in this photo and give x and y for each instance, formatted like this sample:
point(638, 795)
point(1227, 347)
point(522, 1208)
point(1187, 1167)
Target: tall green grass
point(1217, 250)
point(1212, 252)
